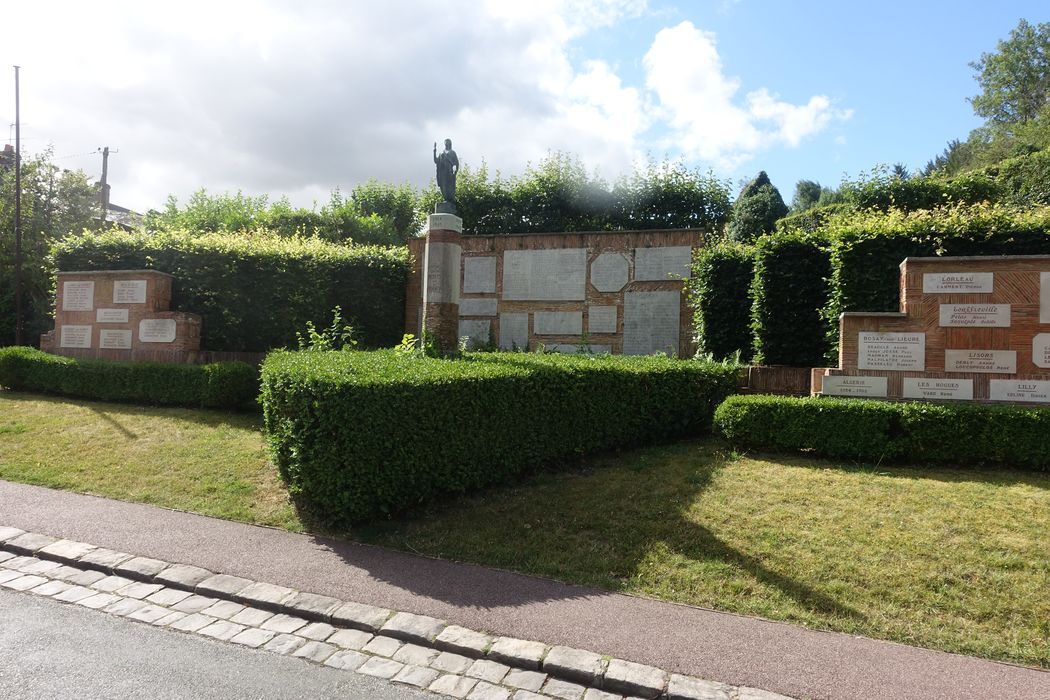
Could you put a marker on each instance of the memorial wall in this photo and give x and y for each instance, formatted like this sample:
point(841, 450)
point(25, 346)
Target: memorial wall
point(617, 292)
point(969, 329)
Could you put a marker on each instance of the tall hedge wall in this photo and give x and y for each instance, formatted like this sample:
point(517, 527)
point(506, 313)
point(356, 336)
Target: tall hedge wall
point(254, 291)
point(788, 293)
point(719, 292)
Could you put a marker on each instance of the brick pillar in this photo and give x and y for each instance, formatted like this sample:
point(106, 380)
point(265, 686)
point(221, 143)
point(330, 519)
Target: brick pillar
point(441, 273)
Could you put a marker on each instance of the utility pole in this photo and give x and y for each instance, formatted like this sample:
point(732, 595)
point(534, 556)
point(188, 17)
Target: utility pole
point(19, 320)
point(103, 198)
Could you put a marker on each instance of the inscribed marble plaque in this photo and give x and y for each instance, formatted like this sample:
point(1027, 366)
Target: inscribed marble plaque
point(514, 331)
point(110, 338)
point(1041, 350)
point(891, 351)
point(129, 291)
point(444, 222)
point(1029, 390)
point(476, 331)
point(992, 361)
point(111, 316)
point(838, 385)
point(658, 264)
point(975, 315)
point(609, 272)
point(75, 337)
point(650, 322)
point(601, 319)
point(568, 348)
point(477, 307)
point(1044, 297)
point(557, 323)
point(78, 296)
point(157, 330)
point(938, 389)
point(957, 282)
point(479, 274)
point(441, 273)
point(545, 275)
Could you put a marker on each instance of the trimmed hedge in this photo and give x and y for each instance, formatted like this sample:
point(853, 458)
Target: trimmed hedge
point(789, 292)
point(219, 385)
point(879, 430)
point(254, 291)
point(358, 435)
point(719, 292)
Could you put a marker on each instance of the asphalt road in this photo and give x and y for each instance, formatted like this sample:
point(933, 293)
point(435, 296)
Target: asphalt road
point(51, 651)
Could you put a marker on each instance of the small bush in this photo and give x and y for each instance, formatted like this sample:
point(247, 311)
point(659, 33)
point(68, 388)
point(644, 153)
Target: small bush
point(881, 430)
point(719, 292)
point(756, 210)
point(361, 434)
point(219, 385)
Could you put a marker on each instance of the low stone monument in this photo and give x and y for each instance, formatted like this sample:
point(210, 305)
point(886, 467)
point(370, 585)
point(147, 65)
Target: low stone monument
point(116, 314)
point(968, 329)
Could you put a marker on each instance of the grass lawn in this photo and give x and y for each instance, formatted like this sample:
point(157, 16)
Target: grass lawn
point(950, 559)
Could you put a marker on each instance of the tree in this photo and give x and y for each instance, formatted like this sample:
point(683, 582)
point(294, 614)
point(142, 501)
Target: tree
point(807, 194)
point(756, 210)
point(1015, 80)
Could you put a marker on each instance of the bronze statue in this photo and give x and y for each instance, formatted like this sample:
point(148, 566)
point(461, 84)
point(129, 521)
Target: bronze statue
point(447, 169)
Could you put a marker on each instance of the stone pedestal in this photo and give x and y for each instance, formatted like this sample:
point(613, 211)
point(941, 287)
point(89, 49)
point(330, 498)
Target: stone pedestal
point(441, 280)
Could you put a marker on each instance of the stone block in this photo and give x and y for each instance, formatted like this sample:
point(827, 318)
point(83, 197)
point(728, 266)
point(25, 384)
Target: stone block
point(346, 660)
point(526, 680)
point(193, 622)
point(574, 664)
point(601, 319)
point(318, 631)
point(98, 601)
point(221, 629)
point(651, 322)
point(479, 274)
point(225, 609)
point(662, 264)
point(463, 641)
point(253, 617)
point(28, 543)
point(139, 590)
point(70, 595)
point(595, 694)
point(609, 272)
point(478, 332)
point(264, 595)
point(65, 550)
point(315, 651)
point(126, 606)
point(152, 613)
point(488, 691)
point(27, 581)
point(380, 668)
point(168, 597)
point(253, 638)
point(630, 678)
point(517, 652)
point(410, 627)
point(109, 584)
point(361, 616)
point(514, 331)
point(169, 619)
point(478, 307)
point(10, 575)
point(746, 693)
point(223, 585)
point(558, 274)
point(284, 643)
point(417, 676)
point(195, 604)
point(557, 323)
point(104, 559)
point(183, 576)
point(45, 589)
point(83, 578)
point(383, 646)
point(350, 639)
point(313, 606)
point(453, 686)
point(9, 533)
point(39, 567)
point(689, 688)
point(486, 670)
point(564, 690)
point(140, 568)
point(284, 624)
point(415, 655)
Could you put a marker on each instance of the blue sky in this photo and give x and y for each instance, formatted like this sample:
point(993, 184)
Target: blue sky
point(297, 99)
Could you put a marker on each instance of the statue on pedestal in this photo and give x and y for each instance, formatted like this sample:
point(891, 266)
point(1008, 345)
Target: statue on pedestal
point(447, 168)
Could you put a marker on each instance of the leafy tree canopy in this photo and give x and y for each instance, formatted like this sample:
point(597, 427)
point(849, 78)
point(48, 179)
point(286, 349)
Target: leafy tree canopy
point(1015, 79)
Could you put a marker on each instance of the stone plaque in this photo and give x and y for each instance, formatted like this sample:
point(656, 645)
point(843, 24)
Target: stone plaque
point(479, 275)
point(110, 338)
point(157, 330)
point(975, 315)
point(441, 273)
point(1044, 297)
point(609, 272)
point(957, 282)
point(650, 322)
point(601, 319)
point(78, 296)
point(557, 323)
point(75, 336)
point(476, 331)
point(659, 264)
point(445, 222)
point(1041, 350)
point(129, 291)
point(838, 385)
point(938, 389)
point(1030, 390)
point(545, 275)
point(514, 331)
point(991, 361)
point(477, 307)
point(891, 351)
point(111, 316)
point(570, 349)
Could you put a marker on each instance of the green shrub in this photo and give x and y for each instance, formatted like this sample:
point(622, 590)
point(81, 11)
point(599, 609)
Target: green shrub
point(756, 210)
point(880, 430)
point(362, 434)
point(719, 292)
point(1025, 180)
point(219, 385)
point(814, 218)
point(254, 291)
point(789, 292)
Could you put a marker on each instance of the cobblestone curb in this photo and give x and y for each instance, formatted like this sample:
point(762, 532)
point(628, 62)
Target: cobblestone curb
point(415, 650)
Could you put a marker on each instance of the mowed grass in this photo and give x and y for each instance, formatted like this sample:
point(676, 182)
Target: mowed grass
point(957, 560)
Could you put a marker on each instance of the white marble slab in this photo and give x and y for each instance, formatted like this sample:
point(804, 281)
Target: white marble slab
point(477, 307)
point(569, 349)
point(975, 315)
point(958, 282)
point(1041, 350)
point(557, 323)
point(157, 330)
point(601, 319)
point(891, 351)
point(839, 385)
point(114, 339)
point(545, 275)
point(651, 322)
point(937, 389)
point(441, 272)
point(514, 331)
point(1028, 390)
point(129, 291)
point(985, 361)
point(1044, 297)
point(444, 222)
point(609, 272)
point(75, 337)
point(78, 296)
point(476, 331)
point(479, 274)
point(111, 316)
point(664, 263)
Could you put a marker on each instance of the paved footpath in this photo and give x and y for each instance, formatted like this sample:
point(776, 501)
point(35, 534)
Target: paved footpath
point(731, 649)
